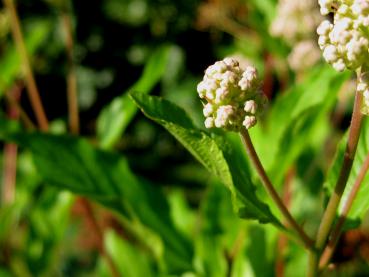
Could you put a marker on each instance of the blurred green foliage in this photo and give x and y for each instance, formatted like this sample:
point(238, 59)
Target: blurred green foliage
point(163, 212)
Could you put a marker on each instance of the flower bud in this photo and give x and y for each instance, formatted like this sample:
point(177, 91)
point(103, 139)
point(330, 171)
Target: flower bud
point(296, 20)
point(233, 96)
point(345, 43)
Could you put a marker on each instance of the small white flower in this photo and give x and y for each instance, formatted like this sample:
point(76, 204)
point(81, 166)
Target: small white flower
point(249, 121)
point(360, 7)
point(209, 122)
point(251, 106)
point(324, 28)
point(326, 6)
point(330, 54)
point(208, 110)
point(339, 65)
point(224, 114)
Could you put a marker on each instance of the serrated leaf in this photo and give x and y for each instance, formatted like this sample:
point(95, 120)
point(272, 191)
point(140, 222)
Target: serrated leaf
point(361, 204)
point(212, 152)
point(114, 118)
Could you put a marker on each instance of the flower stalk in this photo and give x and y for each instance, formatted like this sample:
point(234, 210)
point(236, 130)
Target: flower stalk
point(348, 160)
point(328, 251)
point(331, 210)
point(309, 244)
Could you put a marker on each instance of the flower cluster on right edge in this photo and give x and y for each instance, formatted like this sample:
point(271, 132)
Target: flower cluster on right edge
point(232, 96)
point(345, 42)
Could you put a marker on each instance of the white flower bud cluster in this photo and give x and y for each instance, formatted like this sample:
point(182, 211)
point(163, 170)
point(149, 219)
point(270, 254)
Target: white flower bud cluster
point(304, 55)
point(296, 20)
point(233, 96)
point(345, 43)
point(363, 87)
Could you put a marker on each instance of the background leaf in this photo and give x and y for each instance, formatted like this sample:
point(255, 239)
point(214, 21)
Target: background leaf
point(130, 260)
point(114, 118)
point(71, 163)
point(294, 120)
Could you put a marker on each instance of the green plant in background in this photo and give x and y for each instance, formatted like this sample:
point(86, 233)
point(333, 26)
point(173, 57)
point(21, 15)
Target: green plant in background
point(86, 203)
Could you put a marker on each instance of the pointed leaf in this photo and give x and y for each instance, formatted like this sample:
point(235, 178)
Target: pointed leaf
point(212, 152)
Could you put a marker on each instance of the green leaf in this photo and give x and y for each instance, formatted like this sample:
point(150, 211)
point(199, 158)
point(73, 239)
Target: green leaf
point(361, 204)
point(131, 262)
point(114, 118)
point(257, 251)
point(10, 65)
point(71, 163)
point(212, 152)
point(220, 228)
point(267, 8)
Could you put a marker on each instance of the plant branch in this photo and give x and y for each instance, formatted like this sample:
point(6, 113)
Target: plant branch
point(71, 78)
point(328, 251)
point(33, 92)
point(90, 216)
point(309, 244)
point(74, 129)
point(11, 153)
point(330, 212)
point(22, 114)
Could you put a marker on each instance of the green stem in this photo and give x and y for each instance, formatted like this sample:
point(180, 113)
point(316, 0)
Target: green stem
point(330, 212)
point(312, 269)
point(328, 251)
point(309, 244)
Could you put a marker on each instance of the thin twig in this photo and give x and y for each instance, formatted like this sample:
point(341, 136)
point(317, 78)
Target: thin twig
point(90, 216)
point(309, 244)
point(22, 114)
point(10, 172)
point(33, 92)
point(74, 128)
point(328, 251)
point(11, 153)
point(71, 78)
